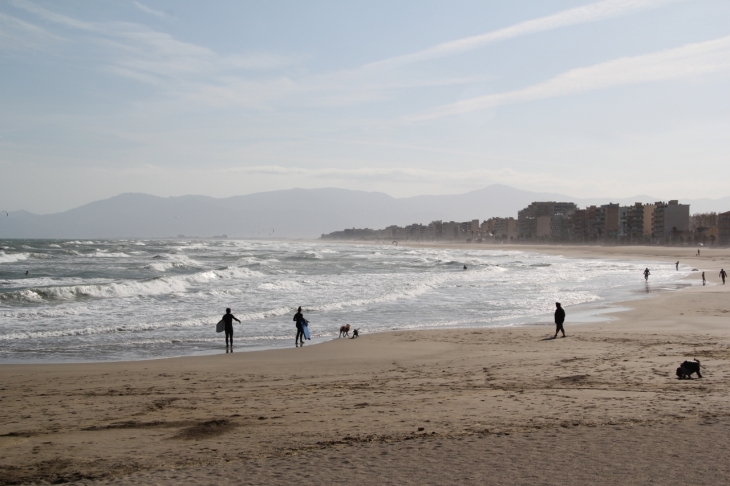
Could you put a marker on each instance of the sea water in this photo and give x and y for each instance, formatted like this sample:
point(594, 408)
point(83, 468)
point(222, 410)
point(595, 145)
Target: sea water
point(143, 299)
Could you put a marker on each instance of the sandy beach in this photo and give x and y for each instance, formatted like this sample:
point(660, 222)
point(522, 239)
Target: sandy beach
point(463, 406)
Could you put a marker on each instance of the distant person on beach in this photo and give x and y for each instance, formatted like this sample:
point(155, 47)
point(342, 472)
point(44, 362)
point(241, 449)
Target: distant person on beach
point(703, 278)
point(698, 252)
point(228, 321)
point(464, 267)
point(676, 265)
point(723, 275)
point(646, 274)
point(559, 319)
point(299, 319)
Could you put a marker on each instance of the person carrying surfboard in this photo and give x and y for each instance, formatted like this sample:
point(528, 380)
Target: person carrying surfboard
point(301, 324)
point(228, 322)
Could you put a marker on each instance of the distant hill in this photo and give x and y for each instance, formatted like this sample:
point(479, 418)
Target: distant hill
point(293, 213)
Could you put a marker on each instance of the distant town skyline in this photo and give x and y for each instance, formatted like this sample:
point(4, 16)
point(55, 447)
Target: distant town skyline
point(585, 98)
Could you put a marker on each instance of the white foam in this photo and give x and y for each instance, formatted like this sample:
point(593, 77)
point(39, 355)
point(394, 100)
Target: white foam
point(13, 257)
point(281, 285)
point(133, 288)
point(106, 254)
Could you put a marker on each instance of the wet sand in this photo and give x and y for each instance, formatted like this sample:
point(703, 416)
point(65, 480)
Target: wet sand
point(431, 407)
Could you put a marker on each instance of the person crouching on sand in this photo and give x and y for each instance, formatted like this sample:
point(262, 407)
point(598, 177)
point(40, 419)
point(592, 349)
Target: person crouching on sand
point(228, 321)
point(559, 320)
point(299, 319)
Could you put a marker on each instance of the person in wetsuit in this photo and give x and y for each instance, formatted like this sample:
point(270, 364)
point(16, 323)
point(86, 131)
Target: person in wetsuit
point(646, 274)
point(559, 320)
point(228, 321)
point(723, 275)
point(299, 319)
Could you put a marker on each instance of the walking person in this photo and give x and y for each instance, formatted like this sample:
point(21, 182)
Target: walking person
point(703, 279)
point(723, 275)
point(299, 319)
point(228, 322)
point(676, 265)
point(559, 320)
point(646, 274)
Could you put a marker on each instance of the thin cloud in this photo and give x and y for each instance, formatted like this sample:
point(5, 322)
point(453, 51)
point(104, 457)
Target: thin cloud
point(18, 34)
point(54, 17)
point(691, 60)
point(589, 13)
point(151, 11)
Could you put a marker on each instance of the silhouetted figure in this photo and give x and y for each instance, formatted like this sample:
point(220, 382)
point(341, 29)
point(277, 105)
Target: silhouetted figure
point(646, 274)
point(698, 252)
point(26, 272)
point(464, 267)
point(299, 319)
point(723, 275)
point(559, 320)
point(228, 322)
point(703, 278)
point(676, 265)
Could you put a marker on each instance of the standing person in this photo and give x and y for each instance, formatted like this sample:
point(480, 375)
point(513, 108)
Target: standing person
point(703, 279)
point(646, 274)
point(698, 252)
point(723, 275)
point(676, 265)
point(299, 319)
point(559, 320)
point(228, 321)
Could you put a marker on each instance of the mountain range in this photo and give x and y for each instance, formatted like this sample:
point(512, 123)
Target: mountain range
point(292, 213)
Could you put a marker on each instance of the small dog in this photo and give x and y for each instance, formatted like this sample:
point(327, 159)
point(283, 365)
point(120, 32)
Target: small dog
point(345, 330)
point(686, 369)
point(354, 334)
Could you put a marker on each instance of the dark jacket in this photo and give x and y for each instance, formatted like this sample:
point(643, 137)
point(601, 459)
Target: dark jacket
point(299, 318)
point(559, 315)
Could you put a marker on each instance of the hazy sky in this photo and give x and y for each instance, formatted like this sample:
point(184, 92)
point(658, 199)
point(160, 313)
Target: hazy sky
point(607, 98)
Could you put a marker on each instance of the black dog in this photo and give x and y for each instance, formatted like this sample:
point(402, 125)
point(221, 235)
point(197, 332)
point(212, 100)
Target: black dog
point(686, 369)
point(354, 334)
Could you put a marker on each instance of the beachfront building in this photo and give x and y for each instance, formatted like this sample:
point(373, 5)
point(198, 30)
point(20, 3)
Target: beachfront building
point(505, 228)
point(723, 228)
point(527, 218)
point(435, 230)
point(623, 214)
point(486, 229)
point(669, 220)
point(581, 225)
point(607, 222)
point(416, 231)
point(639, 222)
point(451, 230)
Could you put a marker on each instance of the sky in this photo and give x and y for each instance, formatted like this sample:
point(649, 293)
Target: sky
point(609, 98)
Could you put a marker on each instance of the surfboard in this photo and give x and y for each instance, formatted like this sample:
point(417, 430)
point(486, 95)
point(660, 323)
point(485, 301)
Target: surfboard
point(305, 328)
point(221, 326)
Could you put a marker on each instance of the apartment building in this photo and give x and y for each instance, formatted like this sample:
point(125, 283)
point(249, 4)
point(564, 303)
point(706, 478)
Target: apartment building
point(451, 230)
point(723, 226)
point(505, 228)
point(639, 221)
point(527, 223)
point(607, 222)
point(669, 218)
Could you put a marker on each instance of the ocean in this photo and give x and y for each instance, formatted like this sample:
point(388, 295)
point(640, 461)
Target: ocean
point(144, 299)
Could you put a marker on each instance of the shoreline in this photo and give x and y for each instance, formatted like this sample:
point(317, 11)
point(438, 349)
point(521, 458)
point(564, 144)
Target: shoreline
point(276, 416)
point(587, 315)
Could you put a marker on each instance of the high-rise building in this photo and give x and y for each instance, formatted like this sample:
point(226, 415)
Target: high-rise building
point(505, 228)
point(669, 218)
point(723, 226)
point(527, 223)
